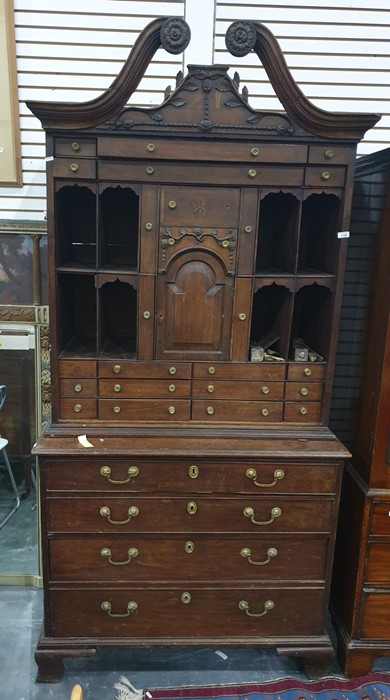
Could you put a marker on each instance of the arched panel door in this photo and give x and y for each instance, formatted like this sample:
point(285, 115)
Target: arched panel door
point(194, 308)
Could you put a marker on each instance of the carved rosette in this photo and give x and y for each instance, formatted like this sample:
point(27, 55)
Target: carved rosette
point(241, 38)
point(175, 35)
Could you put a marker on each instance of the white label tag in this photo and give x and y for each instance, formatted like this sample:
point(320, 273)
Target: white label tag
point(343, 234)
point(49, 158)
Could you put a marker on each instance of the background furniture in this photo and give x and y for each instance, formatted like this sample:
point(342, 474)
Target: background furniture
point(4, 455)
point(189, 481)
point(361, 587)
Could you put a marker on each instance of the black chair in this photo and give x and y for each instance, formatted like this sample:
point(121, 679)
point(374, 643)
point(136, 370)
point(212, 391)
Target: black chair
point(3, 452)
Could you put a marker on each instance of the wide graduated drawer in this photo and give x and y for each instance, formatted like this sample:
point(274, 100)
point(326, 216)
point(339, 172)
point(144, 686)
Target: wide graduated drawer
point(380, 518)
point(144, 409)
point(378, 563)
point(201, 558)
point(375, 615)
point(253, 391)
point(147, 370)
point(144, 388)
point(261, 371)
point(237, 411)
point(189, 476)
point(176, 514)
point(186, 613)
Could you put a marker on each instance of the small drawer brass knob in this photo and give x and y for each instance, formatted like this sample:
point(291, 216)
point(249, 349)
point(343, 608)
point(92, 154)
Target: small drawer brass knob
point(172, 370)
point(303, 411)
point(255, 151)
point(146, 314)
point(252, 173)
point(78, 388)
point(117, 387)
point(307, 372)
point(225, 244)
point(117, 369)
point(329, 153)
point(117, 409)
point(75, 146)
point(172, 410)
point(242, 317)
point(172, 388)
point(248, 229)
point(211, 388)
point(150, 147)
point(211, 370)
point(74, 167)
point(149, 170)
point(265, 389)
point(265, 412)
point(148, 226)
point(304, 391)
point(210, 410)
point(77, 408)
point(325, 175)
point(172, 204)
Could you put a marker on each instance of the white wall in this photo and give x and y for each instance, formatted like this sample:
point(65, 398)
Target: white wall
point(338, 51)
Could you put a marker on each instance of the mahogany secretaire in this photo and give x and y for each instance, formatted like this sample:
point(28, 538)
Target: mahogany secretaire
point(189, 482)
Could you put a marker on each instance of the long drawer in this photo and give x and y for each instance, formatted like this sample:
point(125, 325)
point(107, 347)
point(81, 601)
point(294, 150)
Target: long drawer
point(144, 388)
point(250, 391)
point(144, 409)
point(203, 514)
point(186, 613)
point(189, 476)
point(202, 558)
point(237, 411)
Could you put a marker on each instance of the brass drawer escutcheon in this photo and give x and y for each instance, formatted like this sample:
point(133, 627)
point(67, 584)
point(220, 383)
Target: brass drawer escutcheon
point(189, 547)
point(192, 508)
point(252, 474)
point(268, 605)
point(193, 471)
point(132, 512)
point(106, 554)
point(247, 554)
point(106, 473)
point(250, 513)
point(186, 598)
point(131, 607)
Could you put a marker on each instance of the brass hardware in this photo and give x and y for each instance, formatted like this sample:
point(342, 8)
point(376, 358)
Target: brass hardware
point(304, 391)
point(172, 370)
point(172, 410)
point(211, 388)
point(264, 412)
point(329, 153)
point(78, 387)
point(210, 410)
point(248, 229)
point(146, 314)
point(171, 241)
point(117, 369)
point(307, 371)
point(117, 387)
point(132, 512)
point(244, 605)
point(75, 146)
point(211, 370)
point(252, 474)
point(77, 408)
point(193, 471)
point(325, 175)
point(265, 389)
point(252, 173)
point(303, 411)
point(149, 170)
point(172, 388)
point(172, 204)
point(189, 547)
point(74, 167)
point(225, 244)
point(186, 598)
point(192, 508)
point(242, 317)
point(131, 473)
point(250, 513)
point(131, 554)
point(246, 552)
point(131, 607)
point(255, 151)
point(150, 147)
point(117, 409)
point(149, 226)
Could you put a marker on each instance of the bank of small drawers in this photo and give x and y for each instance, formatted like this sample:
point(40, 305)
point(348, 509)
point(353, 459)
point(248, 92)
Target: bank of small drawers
point(184, 391)
point(144, 547)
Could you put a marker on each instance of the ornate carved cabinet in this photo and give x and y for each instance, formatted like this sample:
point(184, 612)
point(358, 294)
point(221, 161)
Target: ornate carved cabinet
point(196, 271)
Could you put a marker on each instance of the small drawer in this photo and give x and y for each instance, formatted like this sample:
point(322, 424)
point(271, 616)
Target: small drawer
point(144, 409)
point(76, 168)
point(326, 177)
point(378, 563)
point(144, 388)
point(299, 391)
point(82, 148)
point(148, 370)
point(380, 518)
point(260, 371)
point(305, 412)
point(77, 368)
point(250, 391)
point(73, 409)
point(331, 155)
point(74, 387)
point(308, 371)
point(375, 615)
point(237, 411)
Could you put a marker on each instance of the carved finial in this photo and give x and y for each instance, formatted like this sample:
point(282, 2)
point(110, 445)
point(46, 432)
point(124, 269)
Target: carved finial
point(179, 78)
point(236, 80)
point(240, 38)
point(167, 92)
point(245, 94)
point(175, 35)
